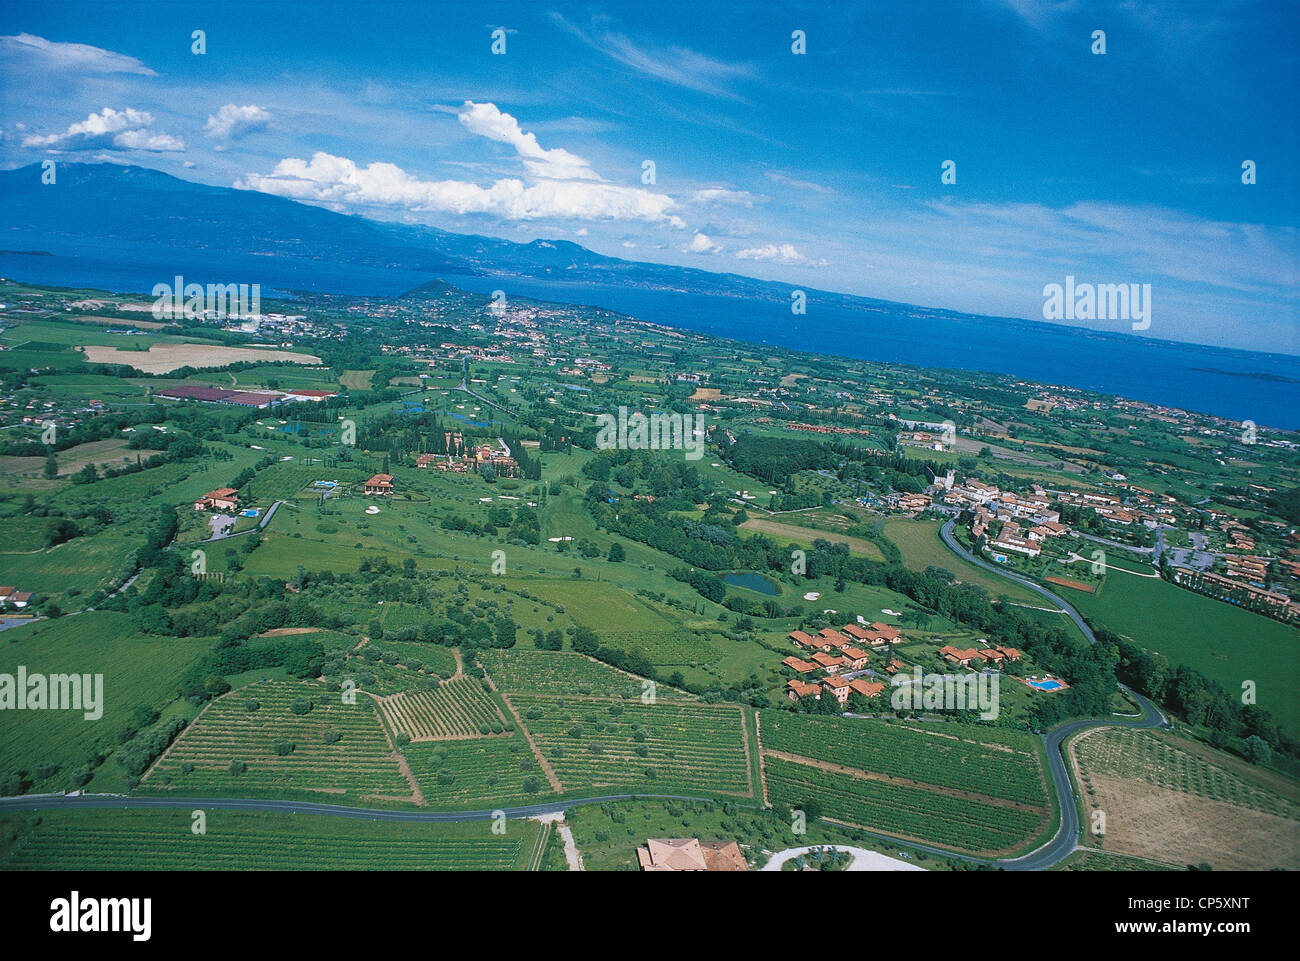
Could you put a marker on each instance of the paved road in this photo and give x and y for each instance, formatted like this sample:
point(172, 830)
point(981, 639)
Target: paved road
point(1066, 837)
point(1062, 843)
point(946, 533)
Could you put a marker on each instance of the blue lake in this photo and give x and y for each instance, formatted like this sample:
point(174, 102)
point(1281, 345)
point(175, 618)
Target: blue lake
point(753, 582)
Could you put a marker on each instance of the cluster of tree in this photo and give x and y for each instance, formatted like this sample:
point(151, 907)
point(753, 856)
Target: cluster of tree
point(709, 585)
point(137, 754)
point(644, 469)
point(1201, 701)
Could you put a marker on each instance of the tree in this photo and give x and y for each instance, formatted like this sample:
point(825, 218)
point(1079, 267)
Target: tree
point(1257, 750)
point(51, 466)
point(616, 553)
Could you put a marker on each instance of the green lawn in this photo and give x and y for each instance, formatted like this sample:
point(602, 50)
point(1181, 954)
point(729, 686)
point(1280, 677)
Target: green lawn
point(919, 541)
point(1224, 642)
point(137, 670)
point(240, 840)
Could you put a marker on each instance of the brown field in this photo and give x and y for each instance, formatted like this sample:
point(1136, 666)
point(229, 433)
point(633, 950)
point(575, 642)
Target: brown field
point(1178, 802)
point(124, 322)
point(806, 535)
point(356, 379)
point(1066, 582)
point(165, 358)
point(706, 393)
point(112, 452)
point(1176, 828)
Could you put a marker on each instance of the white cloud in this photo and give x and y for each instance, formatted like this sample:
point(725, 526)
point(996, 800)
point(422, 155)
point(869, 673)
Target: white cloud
point(337, 180)
point(563, 185)
point(38, 53)
point(701, 244)
point(486, 120)
point(110, 129)
point(676, 65)
point(232, 122)
point(804, 185)
point(781, 253)
point(711, 195)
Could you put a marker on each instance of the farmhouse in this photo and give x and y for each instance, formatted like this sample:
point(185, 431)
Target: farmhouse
point(958, 656)
point(804, 640)
point(866, 688)
point(838, 686)
point(221, 499)
point(799, 666)
point(880, 633)
point(796, 689)
point(689, 854)
point(832, 638)
point(854, 658)
point(380, 484)
point(12, 597)
point(827, 661)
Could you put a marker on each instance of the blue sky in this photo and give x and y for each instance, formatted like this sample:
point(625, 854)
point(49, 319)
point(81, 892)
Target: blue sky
point(821, 170)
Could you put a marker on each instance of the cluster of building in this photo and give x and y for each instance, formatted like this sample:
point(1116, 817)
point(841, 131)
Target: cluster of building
point(221, 499)
point(988, 656)
point(836, 651)
point(243, 398)
point(12, 597)
point(1035, 507)
point(1233, 589)
point(471, 459)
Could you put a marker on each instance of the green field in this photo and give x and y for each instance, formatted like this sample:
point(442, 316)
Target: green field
point(936, 818)
point(667, 747)
point(1224, 642)
point(564, 672)
point(919, 541)
point(163, 840)
point(360, 765)
point(137, 670)
point(996, 762)
point(482, 773)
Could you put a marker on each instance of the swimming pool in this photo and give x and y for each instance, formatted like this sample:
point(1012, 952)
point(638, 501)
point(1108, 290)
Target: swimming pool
point(1045, 685)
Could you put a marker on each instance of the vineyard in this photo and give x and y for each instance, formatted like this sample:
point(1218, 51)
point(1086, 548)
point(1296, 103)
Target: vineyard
point(454, 710)
point(952, 756)
point(240, 841)
point(1147, 757)
point(563, 672)
point(333, 748)
point(595, 743)
point(482, 773)
point(929, 816)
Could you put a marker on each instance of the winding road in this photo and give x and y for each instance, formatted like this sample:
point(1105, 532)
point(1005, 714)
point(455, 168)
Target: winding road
point(1065, 839)
point(1057, 848)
